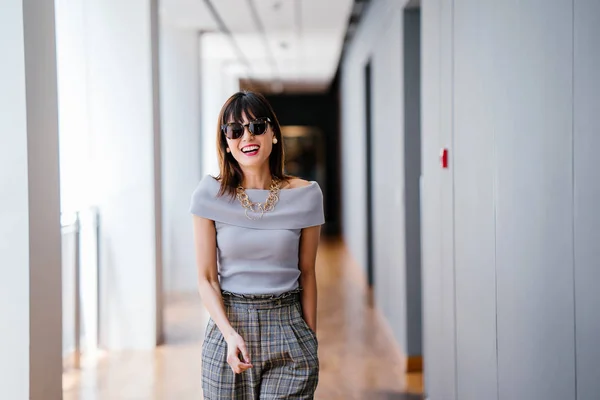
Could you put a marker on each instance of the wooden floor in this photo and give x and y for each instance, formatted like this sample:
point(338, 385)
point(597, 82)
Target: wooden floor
point(358, 358)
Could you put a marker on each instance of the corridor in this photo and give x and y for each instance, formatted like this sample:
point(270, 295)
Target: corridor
point(359, 359)
point(454, 145)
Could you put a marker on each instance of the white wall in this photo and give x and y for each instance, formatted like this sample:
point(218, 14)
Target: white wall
point(30, 288)
point(513, 204)
point(434, 338)
point(442, 259)
point(123, 65)
point(14, 367)
point(14, 212)
point(75, 170)
point(388, 174)
point(510, 230)
point(181, 152)
point(219, 81)
point(475, 204)
point(378, 40)
point(110, 158)
point(75, 149)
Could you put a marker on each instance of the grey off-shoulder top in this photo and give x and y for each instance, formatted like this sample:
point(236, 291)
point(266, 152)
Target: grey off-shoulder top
point(258, 256)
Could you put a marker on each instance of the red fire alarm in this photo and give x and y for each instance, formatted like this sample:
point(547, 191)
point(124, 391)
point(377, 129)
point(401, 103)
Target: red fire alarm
point(444, 157)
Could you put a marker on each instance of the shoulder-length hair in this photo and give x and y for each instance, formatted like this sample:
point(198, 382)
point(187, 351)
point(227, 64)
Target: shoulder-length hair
point(254, 105)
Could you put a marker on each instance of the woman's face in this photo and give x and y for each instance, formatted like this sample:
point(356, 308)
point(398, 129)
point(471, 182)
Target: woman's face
point(251, 151)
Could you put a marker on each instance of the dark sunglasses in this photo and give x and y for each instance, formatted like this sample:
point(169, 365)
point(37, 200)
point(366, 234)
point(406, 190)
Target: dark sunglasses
point(235, 130)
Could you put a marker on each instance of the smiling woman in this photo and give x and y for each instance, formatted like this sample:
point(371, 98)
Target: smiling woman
point(256, 262)
point(249, 143)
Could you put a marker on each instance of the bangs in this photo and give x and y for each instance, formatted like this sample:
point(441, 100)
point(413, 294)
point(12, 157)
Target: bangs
point(247, 104)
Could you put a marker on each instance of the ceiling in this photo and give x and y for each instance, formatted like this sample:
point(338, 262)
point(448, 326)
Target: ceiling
point(283, 45)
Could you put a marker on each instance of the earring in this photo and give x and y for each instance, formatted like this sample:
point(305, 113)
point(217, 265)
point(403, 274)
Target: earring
point(228, 150)
point(274, 140)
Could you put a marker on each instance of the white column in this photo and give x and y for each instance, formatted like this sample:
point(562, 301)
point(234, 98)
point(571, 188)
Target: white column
point(30, 258)
point(75, 168)
point(181, 149)
point(122, 44)
point(212, 100)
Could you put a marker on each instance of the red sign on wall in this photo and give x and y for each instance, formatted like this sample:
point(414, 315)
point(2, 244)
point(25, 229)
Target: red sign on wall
point(444, 157)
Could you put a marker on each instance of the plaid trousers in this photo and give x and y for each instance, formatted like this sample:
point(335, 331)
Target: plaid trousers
point(282, 349)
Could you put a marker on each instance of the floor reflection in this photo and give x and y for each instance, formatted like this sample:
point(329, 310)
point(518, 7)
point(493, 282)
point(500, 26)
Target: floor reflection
point(359, 361)
point(393, 396)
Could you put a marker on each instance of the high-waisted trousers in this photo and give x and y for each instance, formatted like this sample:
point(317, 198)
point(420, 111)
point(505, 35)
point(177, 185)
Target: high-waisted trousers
point(281, 346)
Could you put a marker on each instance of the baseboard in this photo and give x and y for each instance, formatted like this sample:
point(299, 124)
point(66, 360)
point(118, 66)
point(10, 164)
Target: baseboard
point(414, 364)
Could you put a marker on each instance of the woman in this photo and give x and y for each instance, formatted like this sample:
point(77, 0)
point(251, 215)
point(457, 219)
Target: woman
point(256, 234)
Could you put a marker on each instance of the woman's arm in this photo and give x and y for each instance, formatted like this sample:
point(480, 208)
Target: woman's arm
point(309, 241)
point(205, 243)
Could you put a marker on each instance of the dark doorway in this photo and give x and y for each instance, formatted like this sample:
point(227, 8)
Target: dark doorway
point(310, 125)
point(412, 176)
point(369, 183)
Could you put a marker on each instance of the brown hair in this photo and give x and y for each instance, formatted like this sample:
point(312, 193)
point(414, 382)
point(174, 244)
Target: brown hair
point(254, 105)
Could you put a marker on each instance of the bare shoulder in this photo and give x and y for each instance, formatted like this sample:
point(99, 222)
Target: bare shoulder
point(294, 183)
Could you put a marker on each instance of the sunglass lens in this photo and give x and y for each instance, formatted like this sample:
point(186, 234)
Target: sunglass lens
point(234, 131)
point(258, 128)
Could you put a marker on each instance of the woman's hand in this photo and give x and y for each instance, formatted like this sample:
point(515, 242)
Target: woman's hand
point(210, 292)
point(235, 345)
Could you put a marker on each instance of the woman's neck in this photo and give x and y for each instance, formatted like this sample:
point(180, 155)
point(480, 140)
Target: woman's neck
point(257, 179)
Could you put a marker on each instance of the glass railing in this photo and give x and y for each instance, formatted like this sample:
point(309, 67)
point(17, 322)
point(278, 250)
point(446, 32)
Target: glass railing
point(80, 301)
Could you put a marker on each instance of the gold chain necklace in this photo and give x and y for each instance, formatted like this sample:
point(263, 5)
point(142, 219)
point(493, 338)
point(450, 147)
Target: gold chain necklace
point(258, 209)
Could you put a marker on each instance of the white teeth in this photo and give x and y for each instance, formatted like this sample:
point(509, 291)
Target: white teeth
point(249, 148)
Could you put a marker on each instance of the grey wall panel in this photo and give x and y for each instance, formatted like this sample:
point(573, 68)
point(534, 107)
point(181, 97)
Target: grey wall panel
point(378, 40)
point(587, 193)
point(388, 166)
point(448, 328)
point(383, 263)
point(533, 130)
point(474, 200)
point(353, 160)
point(353, 128)
point(431, 199)
point(412, 174)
